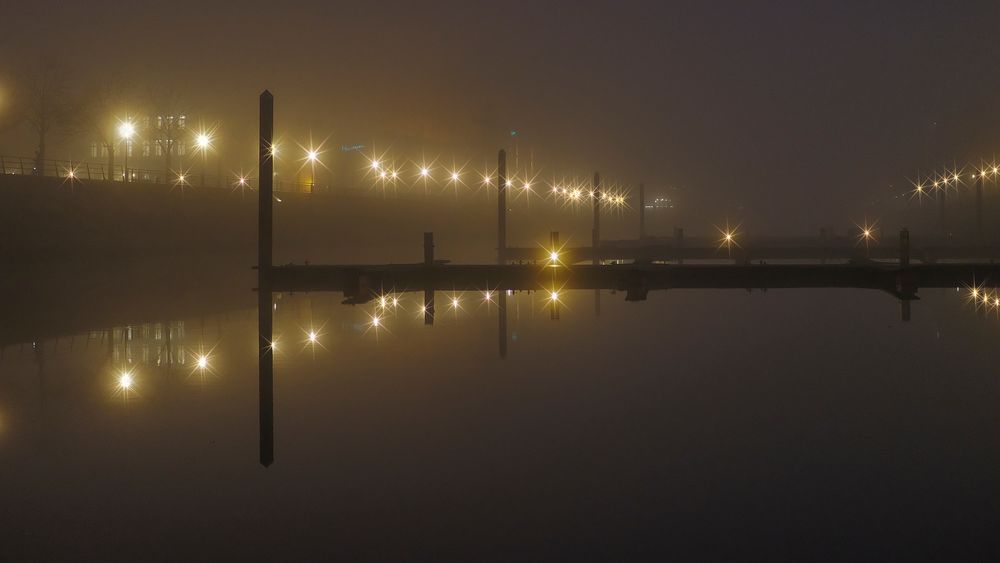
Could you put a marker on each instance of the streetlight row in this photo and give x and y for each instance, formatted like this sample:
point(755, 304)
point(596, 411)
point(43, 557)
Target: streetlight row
point(954, 177)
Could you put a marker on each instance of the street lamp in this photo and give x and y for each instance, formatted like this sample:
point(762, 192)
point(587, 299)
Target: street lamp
point(126, 129)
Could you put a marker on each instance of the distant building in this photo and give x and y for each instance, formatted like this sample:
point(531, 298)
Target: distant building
point(660, 203)
point(154, 137)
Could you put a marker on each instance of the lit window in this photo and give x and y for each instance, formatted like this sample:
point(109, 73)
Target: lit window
point(159, 148)
point(180, 147)
point(93, 150)
point(159, 122)
point(181, 121)
point(145, 148)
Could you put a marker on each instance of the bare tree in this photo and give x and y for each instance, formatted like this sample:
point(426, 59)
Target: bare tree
point(46, 101)
point(167, 112)
point(103, 109)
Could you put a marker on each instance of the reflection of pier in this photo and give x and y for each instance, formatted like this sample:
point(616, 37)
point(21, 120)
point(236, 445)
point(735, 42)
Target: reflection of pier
point(555, 274)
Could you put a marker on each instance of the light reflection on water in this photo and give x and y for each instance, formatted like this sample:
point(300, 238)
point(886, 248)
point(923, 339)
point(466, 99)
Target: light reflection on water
point(702, 408)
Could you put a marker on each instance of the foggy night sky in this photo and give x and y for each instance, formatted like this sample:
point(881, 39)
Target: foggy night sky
point(799, 111)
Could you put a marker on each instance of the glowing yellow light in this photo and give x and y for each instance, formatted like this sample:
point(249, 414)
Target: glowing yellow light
point(395, 302)
point(376, 321)
point(202, 362)
point(554, 295)
point(454, 302)
point(274, 149)
point(487, 179)
point(126, 129)
point(274, 345)
point(312, 156)
point(975, 293)
point(313, 336)
point(202, 141)
point(509, 183)
point(382, 174)
point(454, 176)
point(394, 175)
point(71, 174)
point(554, 256)
point(527, 185)
point(487, 295)
point(425, 172)
point(867, 233)
point(243, 180)
point(125, 380)
point(180, 178)
point(375, 165)
point(383, 302)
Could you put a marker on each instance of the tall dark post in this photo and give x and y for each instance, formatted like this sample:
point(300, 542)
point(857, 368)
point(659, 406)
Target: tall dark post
point(979, 208)
point(596, 231)
point(596, 237)
point(942, 211)
point(428, 249)
point(904, 248)
point(264, 299)
point(642, 211)
point(501, 207)
point(429, 289)
point(679, 244)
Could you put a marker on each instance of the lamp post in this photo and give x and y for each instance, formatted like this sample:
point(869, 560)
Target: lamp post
point(312, 156)
point(126, 130)
point(203, 142)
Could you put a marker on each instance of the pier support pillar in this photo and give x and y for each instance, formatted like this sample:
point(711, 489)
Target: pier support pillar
point(265, 308)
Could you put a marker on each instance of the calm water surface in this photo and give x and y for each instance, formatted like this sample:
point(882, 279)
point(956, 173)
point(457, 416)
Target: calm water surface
point(696, 425)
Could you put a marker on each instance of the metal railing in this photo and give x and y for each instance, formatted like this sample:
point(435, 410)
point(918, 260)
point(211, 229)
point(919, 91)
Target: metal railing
point(87, 170)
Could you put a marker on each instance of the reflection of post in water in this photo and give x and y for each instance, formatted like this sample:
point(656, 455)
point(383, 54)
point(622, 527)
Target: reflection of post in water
point(264, 299)
point(554, 245)
point(502, 316)
point(429, 290)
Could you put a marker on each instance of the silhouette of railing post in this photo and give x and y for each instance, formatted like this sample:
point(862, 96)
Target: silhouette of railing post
point(429, 290)
point(265, 309)
point(501, 206)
